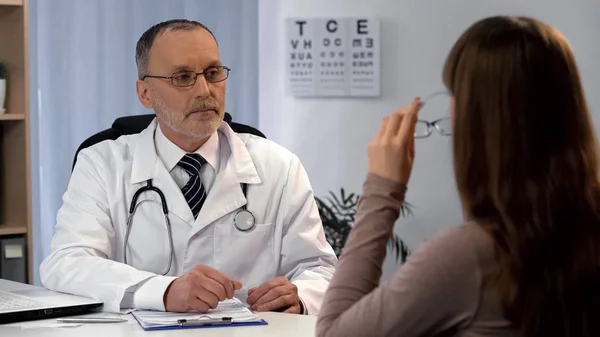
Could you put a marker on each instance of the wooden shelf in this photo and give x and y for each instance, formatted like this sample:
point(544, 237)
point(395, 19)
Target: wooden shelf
point(11, 2)
point(12, 117)
point(12, 229)
point(15, 171)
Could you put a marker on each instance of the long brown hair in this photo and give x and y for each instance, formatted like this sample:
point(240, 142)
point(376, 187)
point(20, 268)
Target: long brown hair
point(526, 167)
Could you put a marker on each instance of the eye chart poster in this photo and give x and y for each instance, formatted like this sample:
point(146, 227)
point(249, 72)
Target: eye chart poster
point(333, 57)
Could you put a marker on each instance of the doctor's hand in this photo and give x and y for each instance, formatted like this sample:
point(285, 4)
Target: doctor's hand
point(278, 294)
point(392, 151)
point(199, 290)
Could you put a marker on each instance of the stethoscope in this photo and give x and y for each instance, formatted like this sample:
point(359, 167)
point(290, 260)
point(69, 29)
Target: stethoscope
point(243, 220)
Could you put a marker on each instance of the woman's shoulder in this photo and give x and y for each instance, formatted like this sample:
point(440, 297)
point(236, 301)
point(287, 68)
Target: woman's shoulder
point(468, 243)
point(467, 232)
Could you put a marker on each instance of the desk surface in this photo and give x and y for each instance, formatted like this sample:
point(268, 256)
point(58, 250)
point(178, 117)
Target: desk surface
point(279, 325)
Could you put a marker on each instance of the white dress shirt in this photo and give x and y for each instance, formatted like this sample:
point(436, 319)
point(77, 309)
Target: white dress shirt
point(171, 154)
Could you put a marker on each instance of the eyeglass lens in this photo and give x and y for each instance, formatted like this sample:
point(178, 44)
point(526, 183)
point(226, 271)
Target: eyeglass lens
point(436, 108)
point(212, 75)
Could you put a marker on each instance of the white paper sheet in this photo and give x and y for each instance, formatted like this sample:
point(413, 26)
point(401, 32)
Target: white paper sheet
point(233, 308)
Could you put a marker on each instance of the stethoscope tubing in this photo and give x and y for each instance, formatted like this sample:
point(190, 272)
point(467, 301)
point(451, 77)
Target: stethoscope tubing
point(149, 187)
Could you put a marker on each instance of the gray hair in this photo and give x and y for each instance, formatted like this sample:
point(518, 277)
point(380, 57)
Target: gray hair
point(142, 49)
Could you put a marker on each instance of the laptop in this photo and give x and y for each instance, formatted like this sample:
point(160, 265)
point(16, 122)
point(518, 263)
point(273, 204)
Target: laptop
point(23, 302)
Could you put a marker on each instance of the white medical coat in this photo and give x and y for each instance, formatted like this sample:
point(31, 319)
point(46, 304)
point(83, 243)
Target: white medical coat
point(288, 239)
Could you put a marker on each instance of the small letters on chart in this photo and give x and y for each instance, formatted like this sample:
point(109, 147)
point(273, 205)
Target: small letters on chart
point(333, 57)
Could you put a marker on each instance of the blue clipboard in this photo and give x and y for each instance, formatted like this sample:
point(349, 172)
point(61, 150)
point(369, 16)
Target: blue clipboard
point(203, 325)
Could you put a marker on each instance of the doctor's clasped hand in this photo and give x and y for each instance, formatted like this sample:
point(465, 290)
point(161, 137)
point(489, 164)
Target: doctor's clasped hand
point(199, 290)
point(278, 293)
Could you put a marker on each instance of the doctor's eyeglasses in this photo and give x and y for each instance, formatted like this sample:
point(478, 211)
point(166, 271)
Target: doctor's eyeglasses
point(189, 78)
point(435, 103)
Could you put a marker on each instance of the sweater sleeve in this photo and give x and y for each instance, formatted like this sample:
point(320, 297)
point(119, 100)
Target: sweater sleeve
point(437, 289)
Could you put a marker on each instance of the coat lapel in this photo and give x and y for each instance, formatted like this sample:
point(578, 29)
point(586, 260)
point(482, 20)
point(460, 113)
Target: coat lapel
point(147, 165)
point(235, 167)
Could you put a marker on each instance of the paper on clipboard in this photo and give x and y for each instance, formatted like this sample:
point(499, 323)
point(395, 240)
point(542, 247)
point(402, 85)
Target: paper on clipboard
point(233, 308)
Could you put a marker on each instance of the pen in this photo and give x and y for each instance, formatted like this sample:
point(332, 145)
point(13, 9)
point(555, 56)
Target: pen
point(91, 320)
point(203, 322)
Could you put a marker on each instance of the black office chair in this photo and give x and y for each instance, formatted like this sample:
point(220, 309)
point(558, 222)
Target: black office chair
point(135, 124)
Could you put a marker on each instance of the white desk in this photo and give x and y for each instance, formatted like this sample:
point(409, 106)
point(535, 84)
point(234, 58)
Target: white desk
point(279, 325)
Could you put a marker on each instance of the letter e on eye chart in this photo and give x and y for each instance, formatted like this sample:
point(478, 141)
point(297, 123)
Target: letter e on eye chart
point(364, 57)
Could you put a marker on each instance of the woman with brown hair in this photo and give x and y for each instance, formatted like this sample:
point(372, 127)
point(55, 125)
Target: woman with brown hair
point(527, 260)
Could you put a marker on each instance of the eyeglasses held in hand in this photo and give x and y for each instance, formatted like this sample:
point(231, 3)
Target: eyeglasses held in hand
point(188, 78)
point(435, 103)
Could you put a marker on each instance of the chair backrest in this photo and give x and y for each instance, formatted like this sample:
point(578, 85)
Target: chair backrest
point(135, 124)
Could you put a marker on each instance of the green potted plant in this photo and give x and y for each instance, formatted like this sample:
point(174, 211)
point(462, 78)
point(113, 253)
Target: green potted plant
point(337, 215)
point(3, 75)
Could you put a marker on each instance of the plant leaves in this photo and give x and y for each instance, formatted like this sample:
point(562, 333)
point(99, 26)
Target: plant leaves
point(338, 214)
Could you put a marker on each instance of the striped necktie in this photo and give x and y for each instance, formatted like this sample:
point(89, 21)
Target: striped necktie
point(193, 191)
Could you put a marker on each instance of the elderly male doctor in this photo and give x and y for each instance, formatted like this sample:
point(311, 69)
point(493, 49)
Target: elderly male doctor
point(277, 255)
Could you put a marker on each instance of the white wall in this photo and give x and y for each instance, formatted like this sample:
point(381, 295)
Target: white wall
point(330, 135)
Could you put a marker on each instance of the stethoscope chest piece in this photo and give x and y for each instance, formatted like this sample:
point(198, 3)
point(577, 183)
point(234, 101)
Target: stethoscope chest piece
point(244, 220)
